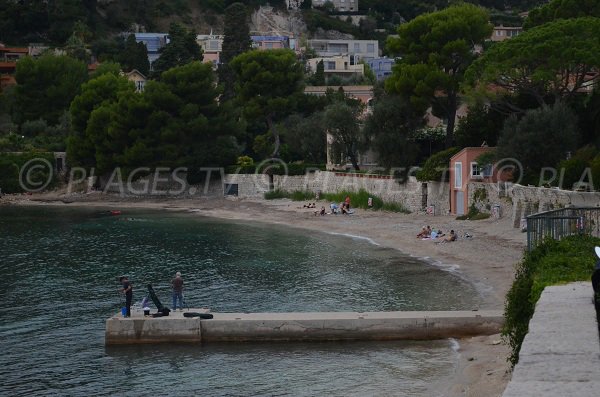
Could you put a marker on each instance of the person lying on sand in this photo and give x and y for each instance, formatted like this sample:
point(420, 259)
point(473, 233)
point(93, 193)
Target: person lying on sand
point(449, 238)
point(425, 232)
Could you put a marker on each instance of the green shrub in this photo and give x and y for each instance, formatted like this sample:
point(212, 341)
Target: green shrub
point(302, 195)
point(554, 262)
point(436, 166)
point(473, 215)
point(360, 199)
point(12, 163)
point(297, 195)
point(276, 194)
point(574, 167)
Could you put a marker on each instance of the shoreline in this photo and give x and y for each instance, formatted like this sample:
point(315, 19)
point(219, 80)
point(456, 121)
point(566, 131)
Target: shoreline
point(486, 260)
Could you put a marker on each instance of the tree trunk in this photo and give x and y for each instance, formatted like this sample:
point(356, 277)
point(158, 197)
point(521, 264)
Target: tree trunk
point(354, 162)
point(452, 105)
point(276, 140)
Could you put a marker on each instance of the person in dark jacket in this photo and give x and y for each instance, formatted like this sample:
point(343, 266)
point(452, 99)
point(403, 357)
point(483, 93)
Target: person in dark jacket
point(177, 285)
point(128, 291)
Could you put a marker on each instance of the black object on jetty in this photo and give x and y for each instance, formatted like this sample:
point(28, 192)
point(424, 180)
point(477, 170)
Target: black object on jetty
point(163, 310)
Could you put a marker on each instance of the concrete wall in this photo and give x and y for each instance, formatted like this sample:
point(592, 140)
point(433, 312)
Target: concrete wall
point(141, 330)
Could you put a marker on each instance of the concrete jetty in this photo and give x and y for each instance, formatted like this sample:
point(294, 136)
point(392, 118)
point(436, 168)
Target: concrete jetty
point(322, 326)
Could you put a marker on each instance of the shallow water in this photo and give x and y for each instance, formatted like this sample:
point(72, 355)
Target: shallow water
point(59, 268)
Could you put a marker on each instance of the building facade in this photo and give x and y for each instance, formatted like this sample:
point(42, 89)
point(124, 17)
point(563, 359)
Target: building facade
point(337, 66)
point(357, 49)
point(212, 45)
point(154, 42)
point(270, 42)
point(464, 169)
point(502, 33)
point(381, 67)
point(339, 5)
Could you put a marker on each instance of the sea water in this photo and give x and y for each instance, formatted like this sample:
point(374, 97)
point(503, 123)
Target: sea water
point(59, 270)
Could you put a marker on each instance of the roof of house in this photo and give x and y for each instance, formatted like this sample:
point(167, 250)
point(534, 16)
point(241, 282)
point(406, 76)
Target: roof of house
point(471, 148)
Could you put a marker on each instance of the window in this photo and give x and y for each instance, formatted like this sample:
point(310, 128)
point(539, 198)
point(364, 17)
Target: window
point(356, 47)
point(370, 48)
point(476, 171)
point(458, 175)
point(269, 45)
point(139, 85)
point(498, 33)
point(330, 65)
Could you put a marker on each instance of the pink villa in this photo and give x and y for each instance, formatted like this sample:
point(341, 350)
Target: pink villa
point(464, 169)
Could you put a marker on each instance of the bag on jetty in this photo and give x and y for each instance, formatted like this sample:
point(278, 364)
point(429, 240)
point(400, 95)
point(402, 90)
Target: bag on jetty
point(204, 316)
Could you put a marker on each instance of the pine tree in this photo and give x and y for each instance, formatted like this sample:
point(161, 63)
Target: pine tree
point(237, 41)
point(181, 50)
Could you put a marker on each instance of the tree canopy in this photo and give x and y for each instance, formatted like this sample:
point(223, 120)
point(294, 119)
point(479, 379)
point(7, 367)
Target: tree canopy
point(389, 129)
point(436, 50)
point(181, 49)
point(548, 62)
point(175, 122)
point(100, 91)
point(541, 138)
point(236, 41)
point(562, 9)
point(342, 123)
point(46, 86)
point(268, 84)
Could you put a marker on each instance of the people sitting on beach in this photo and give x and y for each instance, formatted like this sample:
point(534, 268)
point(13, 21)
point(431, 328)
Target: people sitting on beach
point(451, 237)
point(334, 208)
point(344, 208)
point(321, 212)
point(310, 205)
point(425, 232)
point(347, 202)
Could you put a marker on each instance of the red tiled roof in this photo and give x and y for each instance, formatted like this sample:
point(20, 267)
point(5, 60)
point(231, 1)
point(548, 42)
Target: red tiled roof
point(8, 67)
point(23, 50)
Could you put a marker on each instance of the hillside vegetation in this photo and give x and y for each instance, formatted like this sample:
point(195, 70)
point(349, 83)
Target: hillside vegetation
point(53, 22)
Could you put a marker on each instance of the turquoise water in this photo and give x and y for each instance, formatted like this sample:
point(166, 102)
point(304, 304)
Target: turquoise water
point(58, 285)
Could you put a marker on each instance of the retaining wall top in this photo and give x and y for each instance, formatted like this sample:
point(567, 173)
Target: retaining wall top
point(560, 355)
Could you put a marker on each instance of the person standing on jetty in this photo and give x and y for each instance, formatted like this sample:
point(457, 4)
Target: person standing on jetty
point(128, 291)
point(177, 284)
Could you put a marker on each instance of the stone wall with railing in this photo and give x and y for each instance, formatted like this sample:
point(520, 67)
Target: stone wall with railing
point(519, 201)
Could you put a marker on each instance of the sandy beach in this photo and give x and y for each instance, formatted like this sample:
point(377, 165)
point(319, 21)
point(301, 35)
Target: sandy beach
point(486, 259)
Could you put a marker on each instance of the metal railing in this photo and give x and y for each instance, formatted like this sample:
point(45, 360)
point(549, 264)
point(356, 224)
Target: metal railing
point(564, 222)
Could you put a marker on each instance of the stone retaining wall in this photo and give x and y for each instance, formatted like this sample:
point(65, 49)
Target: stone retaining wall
point(519, 201)
point(414, 195)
